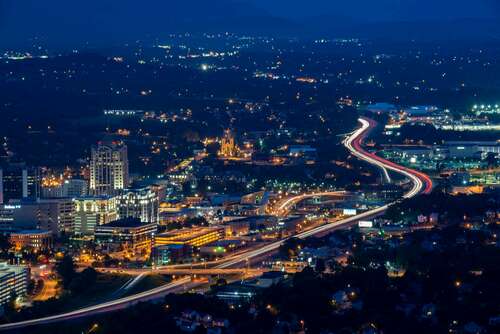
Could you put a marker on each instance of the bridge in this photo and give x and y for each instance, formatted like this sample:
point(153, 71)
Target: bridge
point(421, 183)
point(190, 271)
point(283, 207)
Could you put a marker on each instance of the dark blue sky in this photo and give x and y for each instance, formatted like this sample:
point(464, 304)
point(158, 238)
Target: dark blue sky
point(383, 9)
point(357, 9)
point(119, 20)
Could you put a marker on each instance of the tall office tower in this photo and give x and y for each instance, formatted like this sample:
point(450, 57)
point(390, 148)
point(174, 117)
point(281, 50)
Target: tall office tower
point(55, 215)
point(141, 203)
point(92, 212)
point(70, 188)
point(19, 182)
point(108, 169)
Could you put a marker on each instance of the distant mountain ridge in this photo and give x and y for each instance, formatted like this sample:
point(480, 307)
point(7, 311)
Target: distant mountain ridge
point(105, 22)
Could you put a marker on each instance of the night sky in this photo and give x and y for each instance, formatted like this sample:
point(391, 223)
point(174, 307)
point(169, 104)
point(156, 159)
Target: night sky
point(92, 20)
point(383, 9)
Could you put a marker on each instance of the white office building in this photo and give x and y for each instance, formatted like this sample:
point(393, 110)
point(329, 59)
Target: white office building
point(142, 203)
point(108, 169)
point(13, 282)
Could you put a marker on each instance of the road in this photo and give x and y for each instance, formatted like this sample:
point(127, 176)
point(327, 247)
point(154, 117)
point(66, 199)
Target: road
point(354, 144)
point(49, 290)
point(284, 206)
point(421, 183)
point(191, 271)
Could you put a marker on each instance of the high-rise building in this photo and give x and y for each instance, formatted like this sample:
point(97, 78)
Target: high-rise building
point(108, 169)
point(75, 188)
point(142, 203)
point(70, 188)
point(19, 182)
point(92, 212)
point(55, 215)
point(13, 282)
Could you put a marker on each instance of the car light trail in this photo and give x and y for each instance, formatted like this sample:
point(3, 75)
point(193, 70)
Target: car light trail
point(421, 184)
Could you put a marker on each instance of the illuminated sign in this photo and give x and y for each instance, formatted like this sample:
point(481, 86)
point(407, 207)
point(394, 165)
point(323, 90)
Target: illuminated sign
point(365, 223)
point(350, 212)
point(12, 207)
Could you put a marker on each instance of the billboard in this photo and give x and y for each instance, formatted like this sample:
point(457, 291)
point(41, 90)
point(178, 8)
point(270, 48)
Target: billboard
point(365, 223)
point(350, 212)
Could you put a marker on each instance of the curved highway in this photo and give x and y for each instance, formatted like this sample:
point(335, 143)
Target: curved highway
point(421, 183)
point(284, 206)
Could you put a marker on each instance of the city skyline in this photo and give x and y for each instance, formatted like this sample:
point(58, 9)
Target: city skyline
point(247, 166)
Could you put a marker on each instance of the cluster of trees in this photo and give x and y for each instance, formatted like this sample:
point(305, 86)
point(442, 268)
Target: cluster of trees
point(451, 207)
point(190, 222)
point(5, 244)
point(73, 282)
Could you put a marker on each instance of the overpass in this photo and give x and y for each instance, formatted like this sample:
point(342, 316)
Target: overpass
point(190, 271)
point(284, 206)
point(421, 183)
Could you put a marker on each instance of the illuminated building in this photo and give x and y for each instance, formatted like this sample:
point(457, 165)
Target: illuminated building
point(306, 80)
point(19, 182)
point(195, 237)
point(170, 253)
point(382, 108)
point(59, 188)
point(93, 211)
point(238, 227)
point(171, 215)
point(108, 169)
point(228, 148)
point(129, 234)
point(34, 239)
point(467, 149)
point(55, 215)
point(140, 203)
point(62, 211)
point(486, 109)
point(13, 282)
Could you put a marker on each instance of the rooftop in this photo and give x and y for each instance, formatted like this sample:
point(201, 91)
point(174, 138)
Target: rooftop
point(126, 222)
point(27, 232)
point(188, 233)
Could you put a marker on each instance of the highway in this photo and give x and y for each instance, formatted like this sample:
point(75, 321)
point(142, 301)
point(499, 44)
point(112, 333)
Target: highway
point(285, 205)
point(354, 142)
point(421, 183)
point(191, 271)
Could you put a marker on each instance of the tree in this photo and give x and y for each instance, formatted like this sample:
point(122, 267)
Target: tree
point(320, 266)
point(82, 281)
point(66, 270)
point(290, 248)
point(221, 282)
point(5, 244)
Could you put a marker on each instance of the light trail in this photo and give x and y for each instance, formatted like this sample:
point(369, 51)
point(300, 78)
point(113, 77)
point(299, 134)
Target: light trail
point(363, 133)
point(421, 184)
point(283, 207)
point(353, 143)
